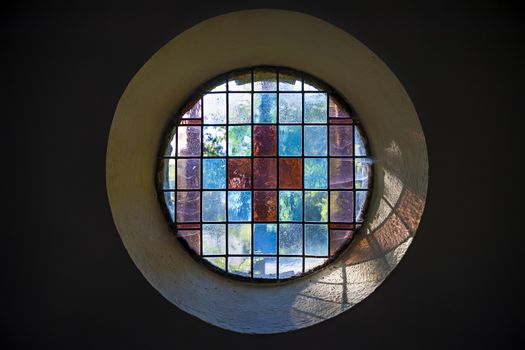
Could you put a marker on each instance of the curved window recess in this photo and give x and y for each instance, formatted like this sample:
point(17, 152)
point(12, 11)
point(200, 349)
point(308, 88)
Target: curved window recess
point(246, 39)
point(265, 174)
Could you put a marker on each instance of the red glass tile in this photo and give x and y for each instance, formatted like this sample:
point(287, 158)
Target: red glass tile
point(341, 121)
point(264, 173)
point(188, 226)
point(339, 239)
point(239, 173)
point(190, 122)
point(336, 108)
point(265, 205)
point(342, 226)
point(265, 140)
point(290, 173)
point(192, 238)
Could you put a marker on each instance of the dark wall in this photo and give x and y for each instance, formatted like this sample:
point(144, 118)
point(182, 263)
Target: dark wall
point(67, 281)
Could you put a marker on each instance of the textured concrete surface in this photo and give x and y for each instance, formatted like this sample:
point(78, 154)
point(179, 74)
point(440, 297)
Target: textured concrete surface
point(282, 38)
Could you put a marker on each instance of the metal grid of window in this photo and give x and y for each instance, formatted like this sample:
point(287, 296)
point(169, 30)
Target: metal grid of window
point(265, 174)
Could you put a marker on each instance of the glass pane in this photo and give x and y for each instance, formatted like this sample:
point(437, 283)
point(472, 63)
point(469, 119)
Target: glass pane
point(240, 82)
point(290, 206)
point(340, 140)
point(219, 262)
point(240, 108)
point(241, 266)
point(290, 267)
point(216, 85)
point(214, 141)
point(239, 205)
point(265, 108)
point(290, 108)
point(360, 202)
point(341, 206)
point(188, 206)
point(339, 240)
point(265, 239)
point(213, 206)
point(214, 173)
point(360, 142)
point(265, 79)
point(312, 263)
point(265, 206)
point(213, 239)
point(315, 173)
point(315, 108)
point(193, 110)
point(341, 173)
point(316, 240)
point(171, 148)
point(192, 239)
point(240, 140)
point(188, 173)
point(169, 169)
point(313, 85)
point(336, 108)
point(289, 81)
point(316, 206)
point(290, 140)
point(239, 238)
point(291, 173)
point(265, 140)
point(290, 239)
point(315, 142)
point(239, 173)
point(214, 109)
point(189, 141)
point(264, 173)
point(169, 199)
point(363, 171)
point(264, 267)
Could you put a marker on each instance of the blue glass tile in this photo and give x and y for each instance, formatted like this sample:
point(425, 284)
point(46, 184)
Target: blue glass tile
point(265, 108)
point(315, 173)
point(213, 206)
point(316, 240)
point(265, 239)
point(290, 140)
point(290, 108)
point(290, 267)
point(214, 173)
point(316, 206)
point(290, 206)
point(239, 205)
point(264, 267)
point(240, 140)
point(315, 140)
point(290, 239)
point(315, 107)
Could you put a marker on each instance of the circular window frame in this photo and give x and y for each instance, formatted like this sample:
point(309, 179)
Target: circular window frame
point(175, 122)
point(266, 37)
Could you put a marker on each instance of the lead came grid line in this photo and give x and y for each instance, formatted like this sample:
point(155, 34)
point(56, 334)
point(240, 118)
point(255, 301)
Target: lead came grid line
point(302, 190)
point(277, 154)
point(302, 160)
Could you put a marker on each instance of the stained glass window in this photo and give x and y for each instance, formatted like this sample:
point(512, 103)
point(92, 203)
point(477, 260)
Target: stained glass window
point(265, 174)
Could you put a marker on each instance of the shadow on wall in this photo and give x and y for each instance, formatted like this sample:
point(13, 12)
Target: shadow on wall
point(375, 251)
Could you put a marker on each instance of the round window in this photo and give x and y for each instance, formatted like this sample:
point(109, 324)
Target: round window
point(265, 174)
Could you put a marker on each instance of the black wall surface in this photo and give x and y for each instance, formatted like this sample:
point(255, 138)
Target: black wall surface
point(66, 279)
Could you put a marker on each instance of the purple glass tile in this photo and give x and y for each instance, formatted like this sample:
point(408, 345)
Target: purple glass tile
point(341, 206)
point(341, 140)
point(188, 174)
point(188, 206)
point(341, 173)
